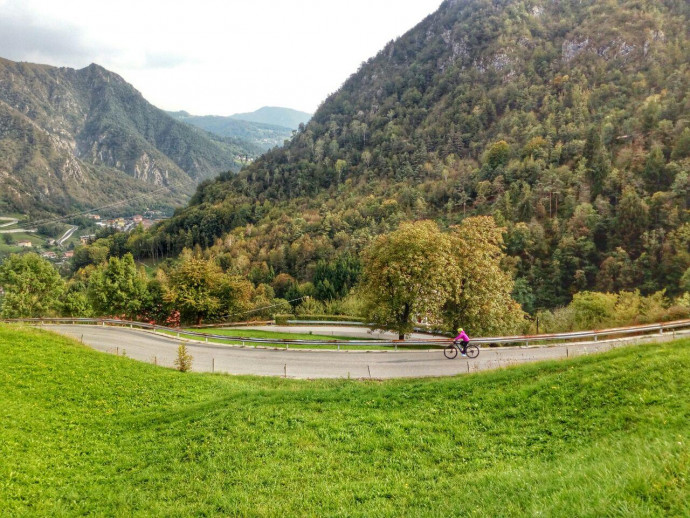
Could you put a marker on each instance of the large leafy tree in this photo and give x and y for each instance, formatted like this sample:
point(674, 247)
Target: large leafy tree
point(32, 287)
point(118, 288)
point(408, 275)
point(482, 301)
point(198, 289)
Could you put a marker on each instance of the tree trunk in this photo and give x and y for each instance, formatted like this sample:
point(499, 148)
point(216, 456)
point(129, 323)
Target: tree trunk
point(405, 319)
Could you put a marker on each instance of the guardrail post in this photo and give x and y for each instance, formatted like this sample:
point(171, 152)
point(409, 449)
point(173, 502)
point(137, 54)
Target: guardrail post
point(596, 338)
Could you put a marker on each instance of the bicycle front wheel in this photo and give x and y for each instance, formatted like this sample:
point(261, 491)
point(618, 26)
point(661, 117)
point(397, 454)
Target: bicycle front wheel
point(472, 351)
point(450, 352)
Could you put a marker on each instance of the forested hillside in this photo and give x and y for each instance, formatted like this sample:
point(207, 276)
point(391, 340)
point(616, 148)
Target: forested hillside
point(79, 138)
point(569, 122)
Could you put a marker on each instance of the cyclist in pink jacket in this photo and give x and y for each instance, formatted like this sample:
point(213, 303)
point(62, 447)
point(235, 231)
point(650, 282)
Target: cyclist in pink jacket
point(462, 337)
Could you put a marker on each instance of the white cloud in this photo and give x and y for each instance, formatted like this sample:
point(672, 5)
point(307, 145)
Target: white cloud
point(212, 56)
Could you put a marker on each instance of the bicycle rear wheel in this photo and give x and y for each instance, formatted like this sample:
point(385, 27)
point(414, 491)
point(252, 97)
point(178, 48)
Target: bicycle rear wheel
point(450, 352)
point(472, 351)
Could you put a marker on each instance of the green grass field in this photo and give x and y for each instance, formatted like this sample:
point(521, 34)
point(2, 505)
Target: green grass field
point(89, 433)
point(253, 333)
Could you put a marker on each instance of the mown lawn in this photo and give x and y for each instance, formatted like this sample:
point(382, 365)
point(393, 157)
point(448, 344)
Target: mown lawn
point(89, 433)
point(257, 333)
point(275, 335)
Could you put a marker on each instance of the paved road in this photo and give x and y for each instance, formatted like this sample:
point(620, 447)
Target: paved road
point(297, 363)
point(8, 222)
point(67, 235)
point(12, 221)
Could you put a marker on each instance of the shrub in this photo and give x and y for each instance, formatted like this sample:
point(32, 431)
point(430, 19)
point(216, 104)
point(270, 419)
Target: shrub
point(561, 320)
point(350, 305)
point(310, 306)
point(683, 301)
point(282, 320)
point(677, 312)
point(183, 362)
point(592, 309)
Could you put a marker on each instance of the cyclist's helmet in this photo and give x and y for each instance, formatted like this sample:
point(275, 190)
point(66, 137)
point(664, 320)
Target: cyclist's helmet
point(460, 329)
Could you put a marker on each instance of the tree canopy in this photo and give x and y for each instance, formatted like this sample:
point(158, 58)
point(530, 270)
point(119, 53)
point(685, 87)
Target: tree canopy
point(32, 287)
point(408, 275)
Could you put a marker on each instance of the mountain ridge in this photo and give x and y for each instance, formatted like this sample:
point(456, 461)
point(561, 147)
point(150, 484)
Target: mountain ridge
point(96, 128)
point(275, 116)
point(263, 136)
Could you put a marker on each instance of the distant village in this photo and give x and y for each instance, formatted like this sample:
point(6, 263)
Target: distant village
point(124, 224)
point(62, 252)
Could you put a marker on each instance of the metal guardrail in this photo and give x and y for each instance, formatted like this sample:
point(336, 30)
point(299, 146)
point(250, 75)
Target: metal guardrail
point(595, 335)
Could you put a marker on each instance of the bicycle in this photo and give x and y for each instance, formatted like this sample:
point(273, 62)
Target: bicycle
point(451, 352)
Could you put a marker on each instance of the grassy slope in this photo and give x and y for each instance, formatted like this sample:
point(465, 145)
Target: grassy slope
point(257, 333)
point(84, 432)
point(252, 333)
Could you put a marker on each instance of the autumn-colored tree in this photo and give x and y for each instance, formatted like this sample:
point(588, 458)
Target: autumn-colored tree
point(408, 275)
point(498, 154)
point(481, 301)
point(198, 289)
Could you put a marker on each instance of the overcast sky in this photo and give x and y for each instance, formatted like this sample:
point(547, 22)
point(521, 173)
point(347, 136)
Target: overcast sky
point(211, 56)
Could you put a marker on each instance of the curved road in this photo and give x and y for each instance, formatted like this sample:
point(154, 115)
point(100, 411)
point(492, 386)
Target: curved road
point(302, 363)
point(9, 222)
point(67, 235)
point(12, 221)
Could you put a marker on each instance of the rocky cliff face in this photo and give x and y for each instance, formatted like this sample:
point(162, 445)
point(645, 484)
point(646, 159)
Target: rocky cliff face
point(83, 137)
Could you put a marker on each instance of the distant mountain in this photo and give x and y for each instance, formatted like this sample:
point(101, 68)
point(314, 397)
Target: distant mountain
point(79, 138)
point(263, 136)
point(285, 117)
